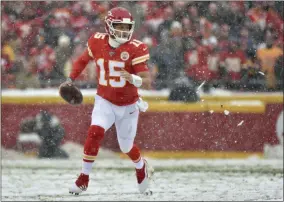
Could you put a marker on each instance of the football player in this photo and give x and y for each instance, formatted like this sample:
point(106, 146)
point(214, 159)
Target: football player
point(121, 70)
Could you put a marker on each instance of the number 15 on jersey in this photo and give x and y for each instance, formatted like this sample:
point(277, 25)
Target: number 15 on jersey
point(113, 78)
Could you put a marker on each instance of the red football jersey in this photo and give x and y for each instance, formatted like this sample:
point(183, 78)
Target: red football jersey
point(131, 56)
point(202, 64)
point(233, 63)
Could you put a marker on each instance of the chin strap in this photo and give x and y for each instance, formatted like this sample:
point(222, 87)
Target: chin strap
point(113, 43)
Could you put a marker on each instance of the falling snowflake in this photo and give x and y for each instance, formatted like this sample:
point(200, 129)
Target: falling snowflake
point(261, 73)
point(199, 87)
point(241, 123)
point(226, 112)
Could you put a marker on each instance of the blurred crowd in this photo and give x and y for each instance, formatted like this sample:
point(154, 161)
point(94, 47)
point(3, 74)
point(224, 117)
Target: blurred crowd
point(234, 45)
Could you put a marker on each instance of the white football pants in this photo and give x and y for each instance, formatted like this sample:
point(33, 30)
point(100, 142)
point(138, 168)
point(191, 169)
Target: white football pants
point(125, 118)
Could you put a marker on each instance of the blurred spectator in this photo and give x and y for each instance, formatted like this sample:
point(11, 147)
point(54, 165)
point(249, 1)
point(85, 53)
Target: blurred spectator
point(252, 78)
point(257, 16)
point(202, 64)
point(179, 8)
point(7, 65)
point(153, 68)
point(183, 90)
point(193, 13)
point(235, 18)
point(274, 20)
point(7, 76)
point(213, 13)
point(58, 23)
point(169, 57)
point(78, 19)
point(246, 42)
point(206, 32)
point(97, 24)
point(279, 72)
point(197, 25)
point(62, 53)
point(164, 26)
point(27, 29)
point(223, 38)
point(42, 59)
point(50, 132)
point(267, 57)
point(232, 63)
point(26, 76)
point(137, 12)
point(8, 51)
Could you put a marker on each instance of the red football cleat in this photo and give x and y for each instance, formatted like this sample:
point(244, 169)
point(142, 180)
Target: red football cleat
point(80, 185)
point(143, 176)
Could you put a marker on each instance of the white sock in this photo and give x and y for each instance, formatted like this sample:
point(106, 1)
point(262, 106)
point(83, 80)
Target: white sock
point(87, 167)
point(139, 164)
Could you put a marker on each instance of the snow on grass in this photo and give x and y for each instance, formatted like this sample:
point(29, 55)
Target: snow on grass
point(114, 185)
point(113, 179)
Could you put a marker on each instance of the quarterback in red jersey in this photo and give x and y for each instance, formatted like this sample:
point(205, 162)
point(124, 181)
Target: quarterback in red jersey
point(121, 70)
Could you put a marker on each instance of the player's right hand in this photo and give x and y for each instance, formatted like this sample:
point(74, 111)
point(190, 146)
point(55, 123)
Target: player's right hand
point(68, 82)
point(70, 93)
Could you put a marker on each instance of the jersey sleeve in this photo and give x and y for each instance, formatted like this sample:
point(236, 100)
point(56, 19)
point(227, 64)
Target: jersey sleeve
point(94, 40)
point(89, 53)
point(140, 58)
point(80, 64)
point(91, 46)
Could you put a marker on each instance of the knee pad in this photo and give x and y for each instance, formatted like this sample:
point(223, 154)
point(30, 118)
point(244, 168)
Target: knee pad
point(125, 148)
point(96, 133)
point(92, 144)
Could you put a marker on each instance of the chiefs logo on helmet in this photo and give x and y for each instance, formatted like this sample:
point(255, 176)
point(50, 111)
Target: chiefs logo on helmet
point(119, 15)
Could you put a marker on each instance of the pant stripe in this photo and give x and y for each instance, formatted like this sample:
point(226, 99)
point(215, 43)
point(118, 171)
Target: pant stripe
point(90, 158)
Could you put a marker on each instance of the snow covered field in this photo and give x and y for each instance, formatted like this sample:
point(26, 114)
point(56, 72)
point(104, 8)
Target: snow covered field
point(30, 179)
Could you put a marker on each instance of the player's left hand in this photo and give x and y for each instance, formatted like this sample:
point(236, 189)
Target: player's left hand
point(124, 74)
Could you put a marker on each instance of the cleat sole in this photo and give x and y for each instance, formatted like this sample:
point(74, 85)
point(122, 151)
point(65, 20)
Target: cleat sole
point(148, 193)
point(73, 193)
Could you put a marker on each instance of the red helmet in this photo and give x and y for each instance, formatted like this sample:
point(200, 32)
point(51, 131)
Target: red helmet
point(119, 15)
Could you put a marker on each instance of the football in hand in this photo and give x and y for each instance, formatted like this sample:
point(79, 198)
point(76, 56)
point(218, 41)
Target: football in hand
point(71, 94)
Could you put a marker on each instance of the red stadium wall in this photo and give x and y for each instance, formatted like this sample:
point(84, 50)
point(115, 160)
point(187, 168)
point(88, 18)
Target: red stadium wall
point(161, 131)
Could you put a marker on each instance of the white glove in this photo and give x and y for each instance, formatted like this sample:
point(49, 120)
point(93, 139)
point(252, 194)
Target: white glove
point(136, 80)
point(142, 105)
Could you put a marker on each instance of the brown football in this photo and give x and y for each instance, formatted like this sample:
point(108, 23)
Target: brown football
point(71, 94)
